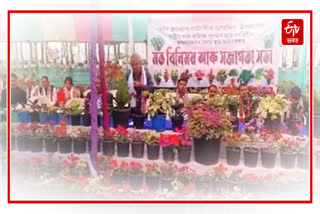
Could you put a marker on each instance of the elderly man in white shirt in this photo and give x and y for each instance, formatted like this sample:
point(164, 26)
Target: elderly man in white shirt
point(47, 90)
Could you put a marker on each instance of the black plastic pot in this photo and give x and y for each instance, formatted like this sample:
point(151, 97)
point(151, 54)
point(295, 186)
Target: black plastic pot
point(250, 156)
point(176, 123)
point(287, 160)
point(50, 145)
point(136, 181)
point(23, 143)
point(86, 119)
point(233, 155)
point(138, 120)
point(80, 145)
point(207, 152)
point(119, 177)
point(268, 159)
point(153, 152)
point(36, 144)
point(184, 154)
point(152, 182)
point(166, 183)
point(108, 147)
point(75, 120)
point(122, 149)
point(272, 124)
point(317, 159)
point(291, 123)
point(168, 153)
point(121, 117)
point(65, 145)
point(303, 160)
point(137, 149)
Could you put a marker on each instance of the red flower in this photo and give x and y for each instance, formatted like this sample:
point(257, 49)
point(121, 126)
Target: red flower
point(113, 163)
point(63, 123)
point(174, 140)
point(135, 165)
point(124, 165)
point(122, 131)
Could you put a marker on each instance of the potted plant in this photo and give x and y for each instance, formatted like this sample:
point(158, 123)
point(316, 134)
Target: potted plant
point(166, 75)
point(157, 77)
point(80, 137)
point(184, 148)
point(151, 138)
point(177, 114)
point(258, 75)
point(74, 108)
point(269, 152)
point(233, 74)
point(119, 172)
point(50, 144)
point(271, 109)
point(222, 76)
point(250, 151)
point(51, 114)
point(168, 144)
point(207, 125)
point(245, 77)
point(34, 138)
point(186, 175)
point(269, 75)
point(303, 153)
point(137, 144)
point(159, 105)
point(219, 179)
point(62, 138)
point(122, 139)
point(152, 174)
point(135, 175)
point(108, 143)
point(288, 152)
point(235, 180)
point(121, 113)
point(199, 75)
point(233, 102)
point(211, 76)
point(168, 173)
point(233, 150)
point(174, 76)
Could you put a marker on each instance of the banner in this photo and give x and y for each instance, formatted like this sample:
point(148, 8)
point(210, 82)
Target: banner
point(221, 52)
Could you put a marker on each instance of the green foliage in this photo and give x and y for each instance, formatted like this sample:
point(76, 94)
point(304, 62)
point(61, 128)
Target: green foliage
point(273, 106)
point(233, 73)
point(157, 43)
point(159, 102)
point(150, 137)
point(75, 108)
point(122, 96)
point(245, 77)
point(259, 74)
point(222, 76)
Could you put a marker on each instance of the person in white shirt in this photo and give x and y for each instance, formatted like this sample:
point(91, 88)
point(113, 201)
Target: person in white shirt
point(31, 89)
point(48, 90)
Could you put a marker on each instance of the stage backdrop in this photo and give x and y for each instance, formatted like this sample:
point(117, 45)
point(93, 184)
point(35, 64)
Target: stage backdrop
point(204, 46)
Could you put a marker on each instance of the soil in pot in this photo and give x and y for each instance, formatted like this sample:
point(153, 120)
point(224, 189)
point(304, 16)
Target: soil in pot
point(108, 147)
point(121, 117)
point(303, 160)
point(137, 149)
point(207, 152)
point(152, 182)
point(136, 181)
point(80, 145)
point(176, 123)
point(168, 153)
point(166, 183)
point(138, 120)
point(76, 120)
point(122, 149)
point(50, 145)
point(65, 145)
point(250, 156)
point(36, 144)
point(153, 151)
point(287, 160)
point(184, 154)
point(233, 155)
point(268, 159)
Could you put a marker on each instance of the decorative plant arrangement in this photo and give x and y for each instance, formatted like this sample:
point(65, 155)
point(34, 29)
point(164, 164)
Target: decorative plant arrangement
point(250, 151)
point(157, 77)
point(174, 76)
point(184, 147)
point(269, 75)
point(80, 137)
point(108, 142)
point(233, 74)
point(74, 108)
point(245, 77)
point(119, 172)
point(233, 149)
point(62, 137)
point(114, 75)
point(122, 140)
point(137, 144)
point(168, 143)
point(258, 75)
point(288, 152)
point(152, 173)
point(151, 138)
point(199, 75)
point(176, 113)
point(269, 152)
point(211, 76)
point(222, 76)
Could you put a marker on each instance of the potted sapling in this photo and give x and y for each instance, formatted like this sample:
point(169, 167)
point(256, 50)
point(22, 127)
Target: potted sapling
point(233, 149)
point(151, 139)
point(122, 141)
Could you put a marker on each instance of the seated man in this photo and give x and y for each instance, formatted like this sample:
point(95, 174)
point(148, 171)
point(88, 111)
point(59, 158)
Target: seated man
point(212, 91)
point(18, 95)
point(182, 91)
point(245, 105)
point(67, 92)
point(31, 89)
point(48, 90)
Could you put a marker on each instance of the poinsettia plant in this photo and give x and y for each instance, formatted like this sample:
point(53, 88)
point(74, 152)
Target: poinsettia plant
point(135, 136)
point(272, 107)
point(123, 167)
point(185, 137)
point(109, 135)
point(199, 75)
point(61, 130)
point(271, 139)
point(234, 139)
point(169, 140)
point(122, 135)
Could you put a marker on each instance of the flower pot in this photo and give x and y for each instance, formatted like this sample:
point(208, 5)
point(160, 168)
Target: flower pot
point(250, 156)
point(119, 177)
point(303, 160)
point(138, 121)
point(268, 159)
point(89, 145)
point(121, 117)
point(65, 145)
point(137, 149)
point(152, 182)
point(272, 124)
point(184, 154)
point(291, 123)
point(36, 144)
point(122, 149)
point(108, 147)
point(317, 160)
point(24, 117)
point(50, 145)
point(153, 152)
point(86, 119)
point(80, 145)
point(166, 183)
point(23, 143)
point(176, 123)
point(158, 123)
point(233, 155)
point(287, 160)
point(136, 181)
point(34, 117)
point(75, 120)
point(168, 153)
point(207, 152)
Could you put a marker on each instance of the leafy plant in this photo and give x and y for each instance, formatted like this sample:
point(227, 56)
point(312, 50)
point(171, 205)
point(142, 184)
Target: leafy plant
point(233, 73)
point(123, 168)
point(234, 139)
point(157, 77)
point(245, 77)
point(185, 139)
point(157, 42)
point(150, 137)
point(159, 102)
point(135, 136)
point(75, 106)
point(174, 76)
point(259, 74)
point(221, 76)
point(272, 107)
point(232, 101)
point(288, 144)
point(122, 96)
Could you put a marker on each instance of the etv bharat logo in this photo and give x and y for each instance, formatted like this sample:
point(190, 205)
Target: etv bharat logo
point(292, 31)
